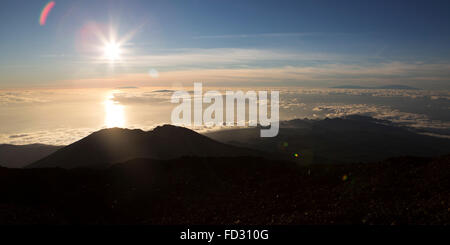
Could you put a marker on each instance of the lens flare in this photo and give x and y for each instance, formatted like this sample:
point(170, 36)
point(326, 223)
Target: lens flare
point(153, 73)
point(45, 12)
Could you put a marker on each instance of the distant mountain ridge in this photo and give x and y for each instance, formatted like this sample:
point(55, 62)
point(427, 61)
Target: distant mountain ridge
point(353, 138)
point(109, 146)
point(378, 87)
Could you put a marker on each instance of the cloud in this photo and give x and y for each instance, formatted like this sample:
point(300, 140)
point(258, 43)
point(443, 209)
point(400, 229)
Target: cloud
point(425, 111)
point(412, 94)
point(409, 108)
point(20, 97)
point(321, 103)
point(272, 35)
point(58, 136)
point(127, 87)
point(18, 136)
point(240, 67)
point(414, 120)
point(221, 57)
point(148, 97)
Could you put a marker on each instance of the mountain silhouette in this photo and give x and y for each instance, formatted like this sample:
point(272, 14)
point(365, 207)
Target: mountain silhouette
point(351, 139)
point(109, 146)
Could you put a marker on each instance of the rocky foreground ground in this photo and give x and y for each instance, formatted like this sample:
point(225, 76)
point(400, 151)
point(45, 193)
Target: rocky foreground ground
point(236, 190)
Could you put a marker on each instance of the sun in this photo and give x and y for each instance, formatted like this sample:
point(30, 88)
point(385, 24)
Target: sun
point(112, 51)
point(112, 48)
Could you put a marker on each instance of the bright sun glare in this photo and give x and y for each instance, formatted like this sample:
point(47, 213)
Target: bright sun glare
point(115, 115)
point(112, 51)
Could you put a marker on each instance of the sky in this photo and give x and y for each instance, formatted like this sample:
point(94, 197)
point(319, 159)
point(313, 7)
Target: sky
point(225, 43)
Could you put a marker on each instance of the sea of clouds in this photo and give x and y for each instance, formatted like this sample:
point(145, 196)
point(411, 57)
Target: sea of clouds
point(424, 111)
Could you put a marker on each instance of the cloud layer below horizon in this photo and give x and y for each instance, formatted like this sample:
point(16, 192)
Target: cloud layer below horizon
point(61, 117)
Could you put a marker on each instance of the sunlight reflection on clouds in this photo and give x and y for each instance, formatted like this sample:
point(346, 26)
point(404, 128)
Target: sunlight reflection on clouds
point(63, 116)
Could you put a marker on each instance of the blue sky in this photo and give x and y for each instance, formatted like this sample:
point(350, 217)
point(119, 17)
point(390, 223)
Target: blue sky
point(277, 43)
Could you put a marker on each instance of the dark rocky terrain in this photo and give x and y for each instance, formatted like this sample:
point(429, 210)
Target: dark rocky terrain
point(241, 190)
point(173, 175)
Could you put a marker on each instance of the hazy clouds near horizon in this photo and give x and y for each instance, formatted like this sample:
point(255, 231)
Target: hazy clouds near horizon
point(61, 117)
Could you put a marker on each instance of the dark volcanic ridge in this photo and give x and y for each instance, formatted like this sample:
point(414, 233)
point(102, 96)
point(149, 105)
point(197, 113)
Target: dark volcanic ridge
point(333, 140)
point(349, 139)
point(109, 146)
